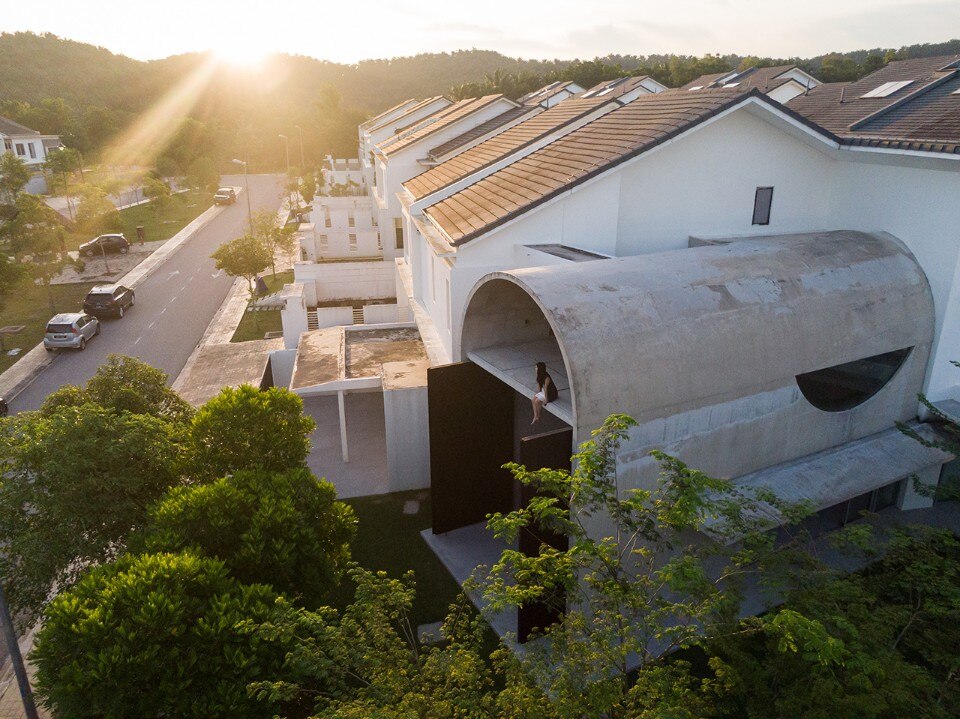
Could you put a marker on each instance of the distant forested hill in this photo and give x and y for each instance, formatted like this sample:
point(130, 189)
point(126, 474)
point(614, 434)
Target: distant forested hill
point(91, 95)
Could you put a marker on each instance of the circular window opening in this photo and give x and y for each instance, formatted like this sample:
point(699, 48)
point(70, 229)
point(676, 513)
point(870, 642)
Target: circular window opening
point(844, 386)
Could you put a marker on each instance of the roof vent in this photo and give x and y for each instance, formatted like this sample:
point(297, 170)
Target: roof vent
point(887, 88)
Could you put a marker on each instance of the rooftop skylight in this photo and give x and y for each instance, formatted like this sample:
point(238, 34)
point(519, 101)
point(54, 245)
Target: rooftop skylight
point(887, 88)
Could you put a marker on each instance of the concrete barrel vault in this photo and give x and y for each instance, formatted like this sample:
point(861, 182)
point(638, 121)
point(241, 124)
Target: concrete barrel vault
point(703, 345)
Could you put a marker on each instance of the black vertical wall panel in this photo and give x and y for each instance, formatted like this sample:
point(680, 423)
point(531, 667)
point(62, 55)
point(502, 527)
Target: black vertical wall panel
point(551, 450)
point(471, 438)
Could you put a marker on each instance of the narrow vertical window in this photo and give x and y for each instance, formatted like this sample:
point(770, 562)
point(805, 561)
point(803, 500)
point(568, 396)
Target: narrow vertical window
point(398, 228)
point(353, 242)
point(761, 205)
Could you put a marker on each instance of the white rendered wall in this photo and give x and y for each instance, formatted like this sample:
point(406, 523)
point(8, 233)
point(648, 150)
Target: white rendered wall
point(408, 445)
point(334, 317)
point(347, 280)
point(379, 314)
point(293, 314)
point(281, 366)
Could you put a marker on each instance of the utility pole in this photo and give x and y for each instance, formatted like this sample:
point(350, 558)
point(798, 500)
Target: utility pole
point(303, 166)
point(16, 658)
point(246, 183)
point(286, 145)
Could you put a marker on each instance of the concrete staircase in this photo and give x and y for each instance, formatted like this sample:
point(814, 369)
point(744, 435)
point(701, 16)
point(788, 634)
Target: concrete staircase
point(358, 315)
point(312, 322)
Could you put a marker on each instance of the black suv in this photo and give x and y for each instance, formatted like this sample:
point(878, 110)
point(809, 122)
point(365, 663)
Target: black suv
point(108, 300)
point(105, 243)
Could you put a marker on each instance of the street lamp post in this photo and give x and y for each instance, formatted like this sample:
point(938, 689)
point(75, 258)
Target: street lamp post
point(303, 166)
point(16, 659)
point(246, 183)
point(286, 146)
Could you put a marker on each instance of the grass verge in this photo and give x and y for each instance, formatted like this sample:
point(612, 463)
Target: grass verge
point(30, 306)
point(253, 325)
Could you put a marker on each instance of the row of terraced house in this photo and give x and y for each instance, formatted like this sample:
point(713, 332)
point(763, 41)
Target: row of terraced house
point(760, 268)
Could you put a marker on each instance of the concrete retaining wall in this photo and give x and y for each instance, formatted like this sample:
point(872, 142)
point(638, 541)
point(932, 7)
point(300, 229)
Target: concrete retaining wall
point(334, 316)
point(377, 314)
point(346, 280)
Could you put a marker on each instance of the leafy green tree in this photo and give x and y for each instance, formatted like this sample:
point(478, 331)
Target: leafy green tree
point(125, 384)
point(14, 175)
point(245, 257)
point(96, 213)
point(35, 234)
point(167, 167)
point(893, 628)
point(275, 237)
point(159, 194)
point(308, 187)
point(285, 529)
point(11, 275)
point(203, 174)
point(163, 635)
point(74, 483)
point(248, 428)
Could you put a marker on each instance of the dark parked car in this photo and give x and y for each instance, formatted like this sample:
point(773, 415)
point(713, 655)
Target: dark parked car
point(225, 196)
point(108, 300)
point(105, 243)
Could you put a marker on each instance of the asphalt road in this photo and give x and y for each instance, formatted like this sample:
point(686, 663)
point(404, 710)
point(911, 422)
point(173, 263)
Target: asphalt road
point(174, 304)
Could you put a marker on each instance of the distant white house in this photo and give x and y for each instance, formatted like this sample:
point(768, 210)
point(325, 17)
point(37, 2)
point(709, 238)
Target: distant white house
point(23, 142)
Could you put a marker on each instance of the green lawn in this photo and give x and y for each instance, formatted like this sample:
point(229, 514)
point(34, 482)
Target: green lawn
point(253, 325)
point(389, 540)
point(29, 306)
point(184, 208)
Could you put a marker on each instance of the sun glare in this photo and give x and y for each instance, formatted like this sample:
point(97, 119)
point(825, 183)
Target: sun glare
point(237, 52)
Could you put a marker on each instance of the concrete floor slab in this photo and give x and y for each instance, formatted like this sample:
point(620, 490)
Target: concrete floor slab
point(228, 365)
point(366, 472)
point(461, 551)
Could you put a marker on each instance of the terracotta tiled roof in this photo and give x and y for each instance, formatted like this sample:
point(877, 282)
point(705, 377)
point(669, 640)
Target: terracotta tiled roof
point(499, 146)
point(407, 117)
point(377, 118)
point(616, 87)
point(823, 104)
point(607, 141)
point(704, 81)
point(452, 114)
point(504, 118)
point(762, 78)
point(9, 127)
point(546, 92)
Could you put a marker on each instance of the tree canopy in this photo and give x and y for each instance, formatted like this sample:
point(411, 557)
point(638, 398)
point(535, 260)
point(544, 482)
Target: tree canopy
point(249, 428)
point(285, 529)
point(158, 635)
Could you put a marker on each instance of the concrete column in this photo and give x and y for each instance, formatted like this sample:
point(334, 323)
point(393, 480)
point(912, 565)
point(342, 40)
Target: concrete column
point(341, 404)
point(928, 478)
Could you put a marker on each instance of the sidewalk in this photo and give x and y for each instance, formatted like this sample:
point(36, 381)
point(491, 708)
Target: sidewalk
point(25, 370)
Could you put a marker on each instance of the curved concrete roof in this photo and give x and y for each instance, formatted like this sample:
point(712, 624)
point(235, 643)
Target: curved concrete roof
point(657, 334)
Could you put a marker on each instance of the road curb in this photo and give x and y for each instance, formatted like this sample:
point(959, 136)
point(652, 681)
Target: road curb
point(25, 370)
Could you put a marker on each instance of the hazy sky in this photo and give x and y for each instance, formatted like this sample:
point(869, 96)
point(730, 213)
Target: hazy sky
point(350, 31)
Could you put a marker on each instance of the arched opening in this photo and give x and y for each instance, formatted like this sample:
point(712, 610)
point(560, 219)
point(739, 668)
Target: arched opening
point(845, 386)
point(506, 333)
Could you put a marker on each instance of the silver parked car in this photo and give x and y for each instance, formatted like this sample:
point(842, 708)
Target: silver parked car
point(71, 330)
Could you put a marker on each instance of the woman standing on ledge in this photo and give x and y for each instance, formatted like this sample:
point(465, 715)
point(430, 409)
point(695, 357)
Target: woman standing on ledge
point(546, 391)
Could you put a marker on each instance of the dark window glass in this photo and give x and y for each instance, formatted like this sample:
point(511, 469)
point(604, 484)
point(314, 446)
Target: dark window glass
point(887, 496)
point(57, 329)
point(844, 386)
point(761, 205)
